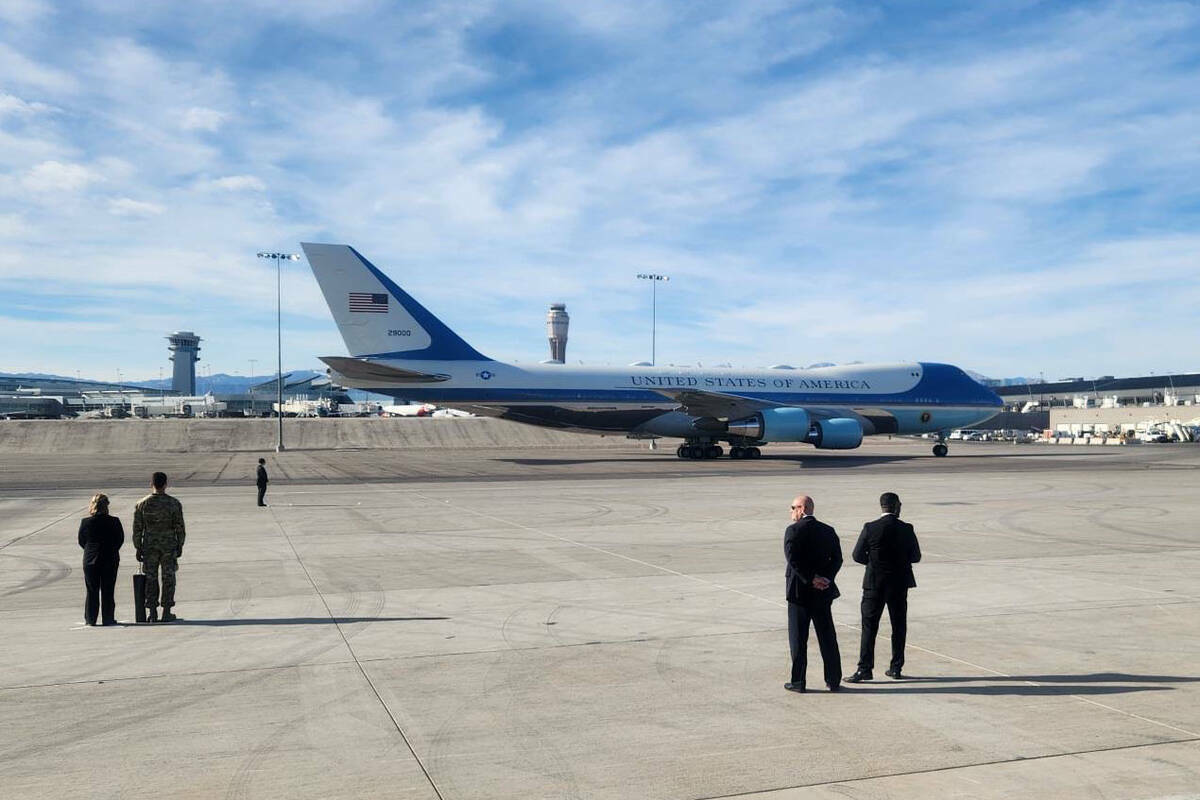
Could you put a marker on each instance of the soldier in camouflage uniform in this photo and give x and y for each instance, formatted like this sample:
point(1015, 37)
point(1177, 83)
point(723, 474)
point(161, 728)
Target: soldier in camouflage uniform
point(158, 542)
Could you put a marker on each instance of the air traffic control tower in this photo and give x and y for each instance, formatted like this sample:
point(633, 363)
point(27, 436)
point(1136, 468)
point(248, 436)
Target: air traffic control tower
point(557, 323)
point(185, 352)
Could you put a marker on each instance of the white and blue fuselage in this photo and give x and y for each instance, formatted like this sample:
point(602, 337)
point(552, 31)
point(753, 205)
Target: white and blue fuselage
point(893, 398)
point(400, 349)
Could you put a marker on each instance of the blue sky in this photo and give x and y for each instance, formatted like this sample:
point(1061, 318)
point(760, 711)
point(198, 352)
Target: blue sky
point(1011, 187)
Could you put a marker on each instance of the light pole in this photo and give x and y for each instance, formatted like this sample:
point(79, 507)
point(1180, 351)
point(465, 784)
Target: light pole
point(654, 279)
point(278, 258)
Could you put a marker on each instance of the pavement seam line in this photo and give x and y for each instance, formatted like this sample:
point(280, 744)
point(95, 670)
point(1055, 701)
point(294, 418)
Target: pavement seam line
point(50, 524)
point(167, 675)
point(350, 649)
point(776, 603)
point(934, 770)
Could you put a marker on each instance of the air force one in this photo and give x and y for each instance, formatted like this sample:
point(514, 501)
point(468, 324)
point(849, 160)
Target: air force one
point(399, 348)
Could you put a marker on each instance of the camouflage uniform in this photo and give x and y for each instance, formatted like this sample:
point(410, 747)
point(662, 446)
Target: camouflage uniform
point(158, 533)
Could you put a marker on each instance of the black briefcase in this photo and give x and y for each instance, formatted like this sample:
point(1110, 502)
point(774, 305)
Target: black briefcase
point(139, 596)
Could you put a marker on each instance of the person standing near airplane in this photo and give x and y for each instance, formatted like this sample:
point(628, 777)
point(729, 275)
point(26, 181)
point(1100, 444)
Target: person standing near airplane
point(158, 536)
point(888, 546)
point(814, 556)
point(101, 537)
point(262, 480)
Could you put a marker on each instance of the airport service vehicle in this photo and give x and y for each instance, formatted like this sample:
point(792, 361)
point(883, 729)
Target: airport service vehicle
point(399, 348)
point(408, 410)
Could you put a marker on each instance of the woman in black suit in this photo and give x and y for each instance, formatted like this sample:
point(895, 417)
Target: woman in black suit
point(101, 537)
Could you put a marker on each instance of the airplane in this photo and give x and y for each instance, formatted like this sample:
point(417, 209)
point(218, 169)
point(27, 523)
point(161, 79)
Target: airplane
point(398, 348)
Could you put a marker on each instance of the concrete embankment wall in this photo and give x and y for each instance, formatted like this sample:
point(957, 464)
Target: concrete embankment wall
point(257, 435)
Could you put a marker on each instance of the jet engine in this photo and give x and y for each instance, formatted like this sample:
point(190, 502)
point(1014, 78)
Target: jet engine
point(842, 433)
point(774, 425)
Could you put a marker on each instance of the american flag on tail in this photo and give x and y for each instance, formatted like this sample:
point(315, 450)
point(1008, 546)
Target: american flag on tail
point(367, 302)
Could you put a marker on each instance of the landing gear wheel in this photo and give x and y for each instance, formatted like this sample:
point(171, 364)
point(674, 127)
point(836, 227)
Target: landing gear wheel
point(682, 451)
point(696, 451)
point(753, 452)
point(736, 452)
point(940, 450)
point(713, 451)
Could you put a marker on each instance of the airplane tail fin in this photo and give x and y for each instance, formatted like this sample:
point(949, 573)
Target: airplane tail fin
point(375, 316)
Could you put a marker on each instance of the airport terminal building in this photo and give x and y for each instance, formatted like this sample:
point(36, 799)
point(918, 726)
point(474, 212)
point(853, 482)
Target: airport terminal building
point(1105, 405)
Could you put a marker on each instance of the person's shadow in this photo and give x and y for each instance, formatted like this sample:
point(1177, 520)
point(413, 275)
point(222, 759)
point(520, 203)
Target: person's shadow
point(222, 623)
point(1095, 683)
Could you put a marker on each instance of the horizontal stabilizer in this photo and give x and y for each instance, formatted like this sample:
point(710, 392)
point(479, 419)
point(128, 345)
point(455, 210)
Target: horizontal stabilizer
point(357, 369)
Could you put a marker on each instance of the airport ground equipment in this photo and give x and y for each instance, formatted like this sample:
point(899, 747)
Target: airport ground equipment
point(398, 348)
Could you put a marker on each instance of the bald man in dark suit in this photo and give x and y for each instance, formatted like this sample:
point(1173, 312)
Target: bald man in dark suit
point(814, 556)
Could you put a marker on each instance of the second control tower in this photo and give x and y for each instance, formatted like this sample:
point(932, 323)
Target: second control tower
point(557, 322)
point(185, 352)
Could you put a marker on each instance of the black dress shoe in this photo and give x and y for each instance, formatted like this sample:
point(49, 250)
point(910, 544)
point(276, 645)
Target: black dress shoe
point(794, 687)
point(109, 622)
point(167, 616)
point(834, 687)
point(860, 676)
point(894, 672)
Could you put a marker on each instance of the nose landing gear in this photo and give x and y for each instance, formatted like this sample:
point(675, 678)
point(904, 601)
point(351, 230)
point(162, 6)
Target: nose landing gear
point(940, 449)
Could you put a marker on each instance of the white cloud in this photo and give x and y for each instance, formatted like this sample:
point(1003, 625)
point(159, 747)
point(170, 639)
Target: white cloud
point(13, 226)
point(10, 105)
point(202, 119)
point(23, 12)
point(56, 176)
point(128, 207)
point(237, 183)
point(1028, 171)
point(21, 71)
point(767, 151)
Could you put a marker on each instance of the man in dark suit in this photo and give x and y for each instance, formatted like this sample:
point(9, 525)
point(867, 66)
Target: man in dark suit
point(814, 557)
point(261, 480)
point(889, 548)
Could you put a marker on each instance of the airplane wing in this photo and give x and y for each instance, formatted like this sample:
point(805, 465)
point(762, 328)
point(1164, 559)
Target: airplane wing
point(361, 369)
point(699, 403)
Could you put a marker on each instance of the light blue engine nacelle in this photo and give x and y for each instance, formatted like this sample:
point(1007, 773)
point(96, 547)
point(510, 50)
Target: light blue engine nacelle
point(796, 425)
point(774, 425)
point(841, 433)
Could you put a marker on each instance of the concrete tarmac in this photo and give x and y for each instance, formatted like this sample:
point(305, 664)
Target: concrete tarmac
point(549, 623)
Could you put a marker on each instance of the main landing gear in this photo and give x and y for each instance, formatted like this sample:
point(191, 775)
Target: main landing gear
point(714, 450)
point(698, 450)
point(940, 449)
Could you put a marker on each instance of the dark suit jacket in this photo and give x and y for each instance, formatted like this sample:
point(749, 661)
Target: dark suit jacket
point(888, 546)
point(262, 475)
point(811, 548)
point(101, 537)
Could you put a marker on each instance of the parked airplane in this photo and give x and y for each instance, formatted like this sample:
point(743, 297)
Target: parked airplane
point(399, 348)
